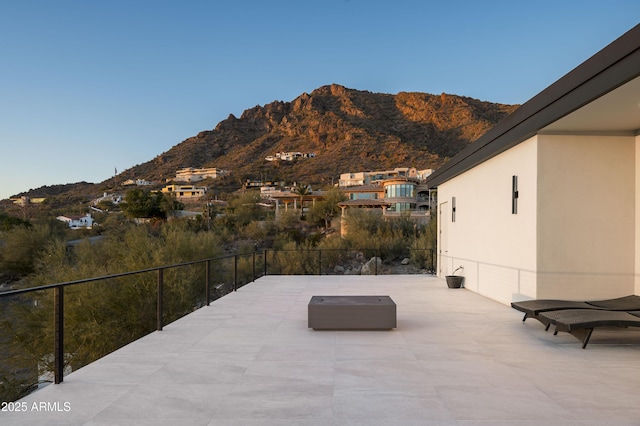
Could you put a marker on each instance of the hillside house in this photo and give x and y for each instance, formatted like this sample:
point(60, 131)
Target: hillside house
point(287, 198)
point(78, 222)
point(106, 197)
point(547, 203)
point(185, 191)
point(137, 182)
point(396, 192)
point(191, 174)
point(364, 178)
point(289, 156)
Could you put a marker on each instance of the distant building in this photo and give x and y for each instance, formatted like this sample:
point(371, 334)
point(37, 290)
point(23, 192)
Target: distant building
point(78, 222)
point(185, 191)
point(289, 156)
point(113, 198)
point(261, 183)
point(399, 191)
point(363, 178)
point(24, 200)
point(287, 198)
point(138, 182)
point(191, 174)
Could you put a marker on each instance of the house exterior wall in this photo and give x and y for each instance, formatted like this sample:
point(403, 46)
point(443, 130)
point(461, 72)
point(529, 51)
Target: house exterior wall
point(637, 217)
point(574, 235)
point(185, 191)
point(496, 248)
point(191, 174)
point(586, 216)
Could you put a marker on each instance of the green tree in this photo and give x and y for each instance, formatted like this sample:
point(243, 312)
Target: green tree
point(23, 246)
point(325, 210)
point(170, 205)
point(8, 222)
point(302, 191)
point(245, 208)
point(144, 204)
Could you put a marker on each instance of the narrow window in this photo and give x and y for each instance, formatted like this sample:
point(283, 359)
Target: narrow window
point(453, 209)
point(514, 194)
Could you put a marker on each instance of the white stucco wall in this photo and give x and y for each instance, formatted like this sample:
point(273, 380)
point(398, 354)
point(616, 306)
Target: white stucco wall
point(586, 216)
point(496, 248)
point(637, 217)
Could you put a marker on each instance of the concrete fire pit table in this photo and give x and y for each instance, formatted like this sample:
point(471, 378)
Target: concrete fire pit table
point(352, 313)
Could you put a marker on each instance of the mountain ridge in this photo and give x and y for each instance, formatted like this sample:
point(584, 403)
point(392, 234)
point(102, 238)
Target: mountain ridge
point(348, 129)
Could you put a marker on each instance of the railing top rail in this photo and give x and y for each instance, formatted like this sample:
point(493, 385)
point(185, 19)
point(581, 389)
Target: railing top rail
point(107, 277)
point(156, 268)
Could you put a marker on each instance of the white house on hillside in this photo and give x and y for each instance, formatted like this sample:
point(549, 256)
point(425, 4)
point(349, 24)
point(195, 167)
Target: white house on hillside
point(78, 222)
point(547, 203)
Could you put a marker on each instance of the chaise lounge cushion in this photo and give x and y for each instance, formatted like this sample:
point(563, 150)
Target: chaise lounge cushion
point(533, 308)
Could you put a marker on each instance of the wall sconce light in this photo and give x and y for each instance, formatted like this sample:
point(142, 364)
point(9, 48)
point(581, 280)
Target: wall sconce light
point(514, 194)
point(453, 209)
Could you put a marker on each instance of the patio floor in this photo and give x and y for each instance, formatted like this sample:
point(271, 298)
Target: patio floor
point(456, 358)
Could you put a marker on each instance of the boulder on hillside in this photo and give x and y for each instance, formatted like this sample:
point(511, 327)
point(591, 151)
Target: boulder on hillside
point(374, 264)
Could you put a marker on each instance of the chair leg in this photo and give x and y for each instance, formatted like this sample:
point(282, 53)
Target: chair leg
point(586, 339)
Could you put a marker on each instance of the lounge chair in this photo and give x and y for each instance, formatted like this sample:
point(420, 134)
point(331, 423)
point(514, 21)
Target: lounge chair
point(581, 322)
point(533, 308)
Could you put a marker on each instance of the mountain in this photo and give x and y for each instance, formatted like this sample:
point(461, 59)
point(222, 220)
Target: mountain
point(347, 129)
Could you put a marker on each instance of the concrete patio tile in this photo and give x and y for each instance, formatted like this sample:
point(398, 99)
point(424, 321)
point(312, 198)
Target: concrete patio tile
point(189, 370)
point(494, 403)
point(481, 373)
point(117, 371)
point(178, 402)
point(389, 407)
point(523, 423)
point(147, 422)
point(373, 351)
point(274, 422)
point(279, 400)
point(66, 403)
point(291, 372)
point(303, 351)
point(383, 375)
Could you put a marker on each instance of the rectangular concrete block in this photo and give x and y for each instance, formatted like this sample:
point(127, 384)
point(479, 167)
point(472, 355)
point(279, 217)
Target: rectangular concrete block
point(352, 313)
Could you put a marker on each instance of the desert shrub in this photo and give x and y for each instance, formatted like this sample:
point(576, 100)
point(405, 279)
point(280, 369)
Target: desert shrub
point(22, 246)
point(424, 247)
point(256, 230)
point(293, 259)
point(389, 237)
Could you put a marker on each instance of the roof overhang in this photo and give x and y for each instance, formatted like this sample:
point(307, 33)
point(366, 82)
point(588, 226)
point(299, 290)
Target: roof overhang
point(600, 96)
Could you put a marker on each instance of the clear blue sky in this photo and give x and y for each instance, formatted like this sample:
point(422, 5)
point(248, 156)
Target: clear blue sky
point(90, 86)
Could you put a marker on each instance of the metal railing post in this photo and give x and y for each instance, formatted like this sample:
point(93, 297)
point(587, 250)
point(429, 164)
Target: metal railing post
point(265, 262)
point(253, 278)
point(58, 352)
point(235, 272)
point(160, 297)
point(207, 278)
point(319, 262)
